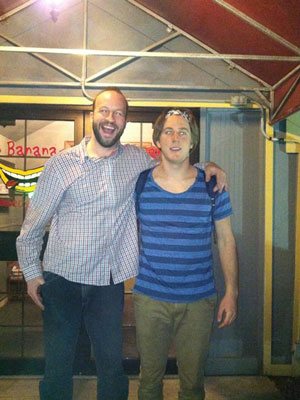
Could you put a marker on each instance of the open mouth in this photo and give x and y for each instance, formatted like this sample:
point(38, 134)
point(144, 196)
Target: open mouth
point(108, 130)
point(20, 181)
point(175, 148)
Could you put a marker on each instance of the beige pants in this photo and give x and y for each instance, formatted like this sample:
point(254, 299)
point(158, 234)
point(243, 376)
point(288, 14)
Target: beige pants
point(158, 324)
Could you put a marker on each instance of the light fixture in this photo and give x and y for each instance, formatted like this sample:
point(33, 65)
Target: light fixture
point(54, 9)
point(54, 14)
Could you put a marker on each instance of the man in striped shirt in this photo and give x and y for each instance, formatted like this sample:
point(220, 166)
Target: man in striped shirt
point(174, 293)
point(87, 192)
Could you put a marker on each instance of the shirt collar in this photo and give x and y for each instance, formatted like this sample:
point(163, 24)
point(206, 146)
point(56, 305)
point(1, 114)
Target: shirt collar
point(83, 150)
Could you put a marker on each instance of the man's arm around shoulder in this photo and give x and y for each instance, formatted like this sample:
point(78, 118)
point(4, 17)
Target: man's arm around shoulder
point(212, 169)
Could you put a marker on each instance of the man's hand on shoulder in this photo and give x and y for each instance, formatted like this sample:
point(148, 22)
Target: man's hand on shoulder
point(212, 169)
point(33, 286)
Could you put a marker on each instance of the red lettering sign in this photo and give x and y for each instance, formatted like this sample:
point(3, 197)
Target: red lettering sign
point(36, 151)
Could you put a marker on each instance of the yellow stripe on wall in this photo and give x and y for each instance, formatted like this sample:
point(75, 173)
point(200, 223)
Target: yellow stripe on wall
point(268, 273)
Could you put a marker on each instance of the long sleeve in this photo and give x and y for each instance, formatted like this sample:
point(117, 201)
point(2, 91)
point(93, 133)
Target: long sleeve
point(41, 209)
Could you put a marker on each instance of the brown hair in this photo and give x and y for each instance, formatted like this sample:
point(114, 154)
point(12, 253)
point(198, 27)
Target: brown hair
point(184, 112)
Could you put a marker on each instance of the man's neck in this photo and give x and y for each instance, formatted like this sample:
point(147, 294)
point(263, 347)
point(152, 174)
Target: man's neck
point(175, 178)
point(174, 171)
point(95, 150)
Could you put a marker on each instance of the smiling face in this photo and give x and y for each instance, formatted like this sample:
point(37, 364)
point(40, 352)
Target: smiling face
point(109, 118)
point(175, 139)
point(19, 180)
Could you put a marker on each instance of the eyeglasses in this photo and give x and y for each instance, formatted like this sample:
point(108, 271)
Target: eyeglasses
point(184, 114)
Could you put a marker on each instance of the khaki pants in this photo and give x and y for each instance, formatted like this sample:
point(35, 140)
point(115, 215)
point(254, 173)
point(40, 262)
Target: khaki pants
point(157, 325)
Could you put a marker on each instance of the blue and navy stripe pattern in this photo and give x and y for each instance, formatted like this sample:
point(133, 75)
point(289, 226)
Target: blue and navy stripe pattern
point(176, 256)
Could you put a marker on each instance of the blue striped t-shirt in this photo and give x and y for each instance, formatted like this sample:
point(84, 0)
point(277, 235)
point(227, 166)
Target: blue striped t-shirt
point(176, 262)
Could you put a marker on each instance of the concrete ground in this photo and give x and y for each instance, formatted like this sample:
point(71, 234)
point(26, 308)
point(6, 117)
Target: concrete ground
point(217, 388)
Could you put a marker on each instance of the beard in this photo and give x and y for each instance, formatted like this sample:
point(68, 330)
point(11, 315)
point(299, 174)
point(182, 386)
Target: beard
point(110, 142)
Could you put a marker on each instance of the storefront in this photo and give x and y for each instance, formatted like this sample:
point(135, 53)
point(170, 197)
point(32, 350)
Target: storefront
point(29, 135)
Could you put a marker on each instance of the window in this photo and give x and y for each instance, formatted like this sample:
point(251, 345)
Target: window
point(25, 146)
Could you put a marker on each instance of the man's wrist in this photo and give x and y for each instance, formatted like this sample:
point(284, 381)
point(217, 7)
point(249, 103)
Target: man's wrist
point(32, 274)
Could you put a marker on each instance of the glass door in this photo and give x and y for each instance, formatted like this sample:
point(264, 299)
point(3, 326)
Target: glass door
point(25, 146)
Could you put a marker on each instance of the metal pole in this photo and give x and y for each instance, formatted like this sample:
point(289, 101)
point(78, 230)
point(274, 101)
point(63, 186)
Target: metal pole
point(119, 53)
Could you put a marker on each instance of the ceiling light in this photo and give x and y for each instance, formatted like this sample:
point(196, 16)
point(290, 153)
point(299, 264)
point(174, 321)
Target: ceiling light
point(54, 8)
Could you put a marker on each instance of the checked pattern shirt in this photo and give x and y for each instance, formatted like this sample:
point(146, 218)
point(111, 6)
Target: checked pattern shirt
point(90, 204)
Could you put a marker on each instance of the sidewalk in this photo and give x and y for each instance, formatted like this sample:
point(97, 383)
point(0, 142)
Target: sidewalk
point(217, 388)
